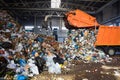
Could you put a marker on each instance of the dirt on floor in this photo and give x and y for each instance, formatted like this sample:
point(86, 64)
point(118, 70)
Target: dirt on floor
point(79, 70)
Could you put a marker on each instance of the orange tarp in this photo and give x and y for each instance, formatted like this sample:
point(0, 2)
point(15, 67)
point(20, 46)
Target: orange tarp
point(78, 19)
point(108, 36)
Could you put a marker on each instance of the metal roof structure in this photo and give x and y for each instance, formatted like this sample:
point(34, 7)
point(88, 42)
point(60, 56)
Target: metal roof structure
point(29, 8)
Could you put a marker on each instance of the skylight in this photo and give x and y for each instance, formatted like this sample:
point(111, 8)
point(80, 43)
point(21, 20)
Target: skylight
point(55, 3)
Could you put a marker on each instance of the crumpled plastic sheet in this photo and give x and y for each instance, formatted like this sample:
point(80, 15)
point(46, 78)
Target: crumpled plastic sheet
point(53, 67)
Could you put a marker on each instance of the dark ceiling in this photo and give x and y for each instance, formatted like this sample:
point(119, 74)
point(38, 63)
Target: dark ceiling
point(30, 8)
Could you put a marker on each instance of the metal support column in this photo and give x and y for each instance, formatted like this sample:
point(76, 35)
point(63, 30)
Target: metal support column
point(35, 23)
point(60, 27)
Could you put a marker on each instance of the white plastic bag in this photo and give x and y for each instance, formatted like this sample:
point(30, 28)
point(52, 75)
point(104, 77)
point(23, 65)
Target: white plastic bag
point(33, 67)
point(11, 65)
point(57, 68)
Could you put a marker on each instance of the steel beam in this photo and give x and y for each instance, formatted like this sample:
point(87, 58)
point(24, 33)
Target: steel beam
point(110, 3)
point(43, 4)
point(38, 9)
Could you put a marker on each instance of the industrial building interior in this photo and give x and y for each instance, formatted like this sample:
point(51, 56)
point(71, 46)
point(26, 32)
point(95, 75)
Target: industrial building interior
point(22, 10)
point(32, 13)
point(45, 19)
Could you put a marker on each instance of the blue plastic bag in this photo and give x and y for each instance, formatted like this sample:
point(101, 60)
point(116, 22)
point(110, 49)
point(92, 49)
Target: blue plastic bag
point(40, 39)
point(33, 52)
point(21, 77)
point(10, 25)
point(22, 62)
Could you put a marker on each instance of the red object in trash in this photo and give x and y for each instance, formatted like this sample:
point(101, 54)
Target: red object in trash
point(2, 51)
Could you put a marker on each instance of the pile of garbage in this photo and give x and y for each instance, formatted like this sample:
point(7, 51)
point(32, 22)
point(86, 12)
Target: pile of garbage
point(29, 55)
point(80, 46)
point(26, 54)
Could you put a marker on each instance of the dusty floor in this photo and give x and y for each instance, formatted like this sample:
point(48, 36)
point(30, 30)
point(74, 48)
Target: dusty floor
point(86, 71)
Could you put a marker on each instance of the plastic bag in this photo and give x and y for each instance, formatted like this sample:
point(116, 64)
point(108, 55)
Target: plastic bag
point(40, 39)
point(22, 62)
point(21, 77)
point(7, 45)
point(57, 68)
point(33, 67)
point(54, 68)
point(19, 47)
point(11, 65)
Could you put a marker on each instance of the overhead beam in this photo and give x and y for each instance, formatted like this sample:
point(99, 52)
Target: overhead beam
point(46, 4)
point(106, 5)
point(44, 9)
point(2, 1)
point(41, 13)
point(35, 2)
point(96, 0)
point(23, 8)
point(37, 9)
